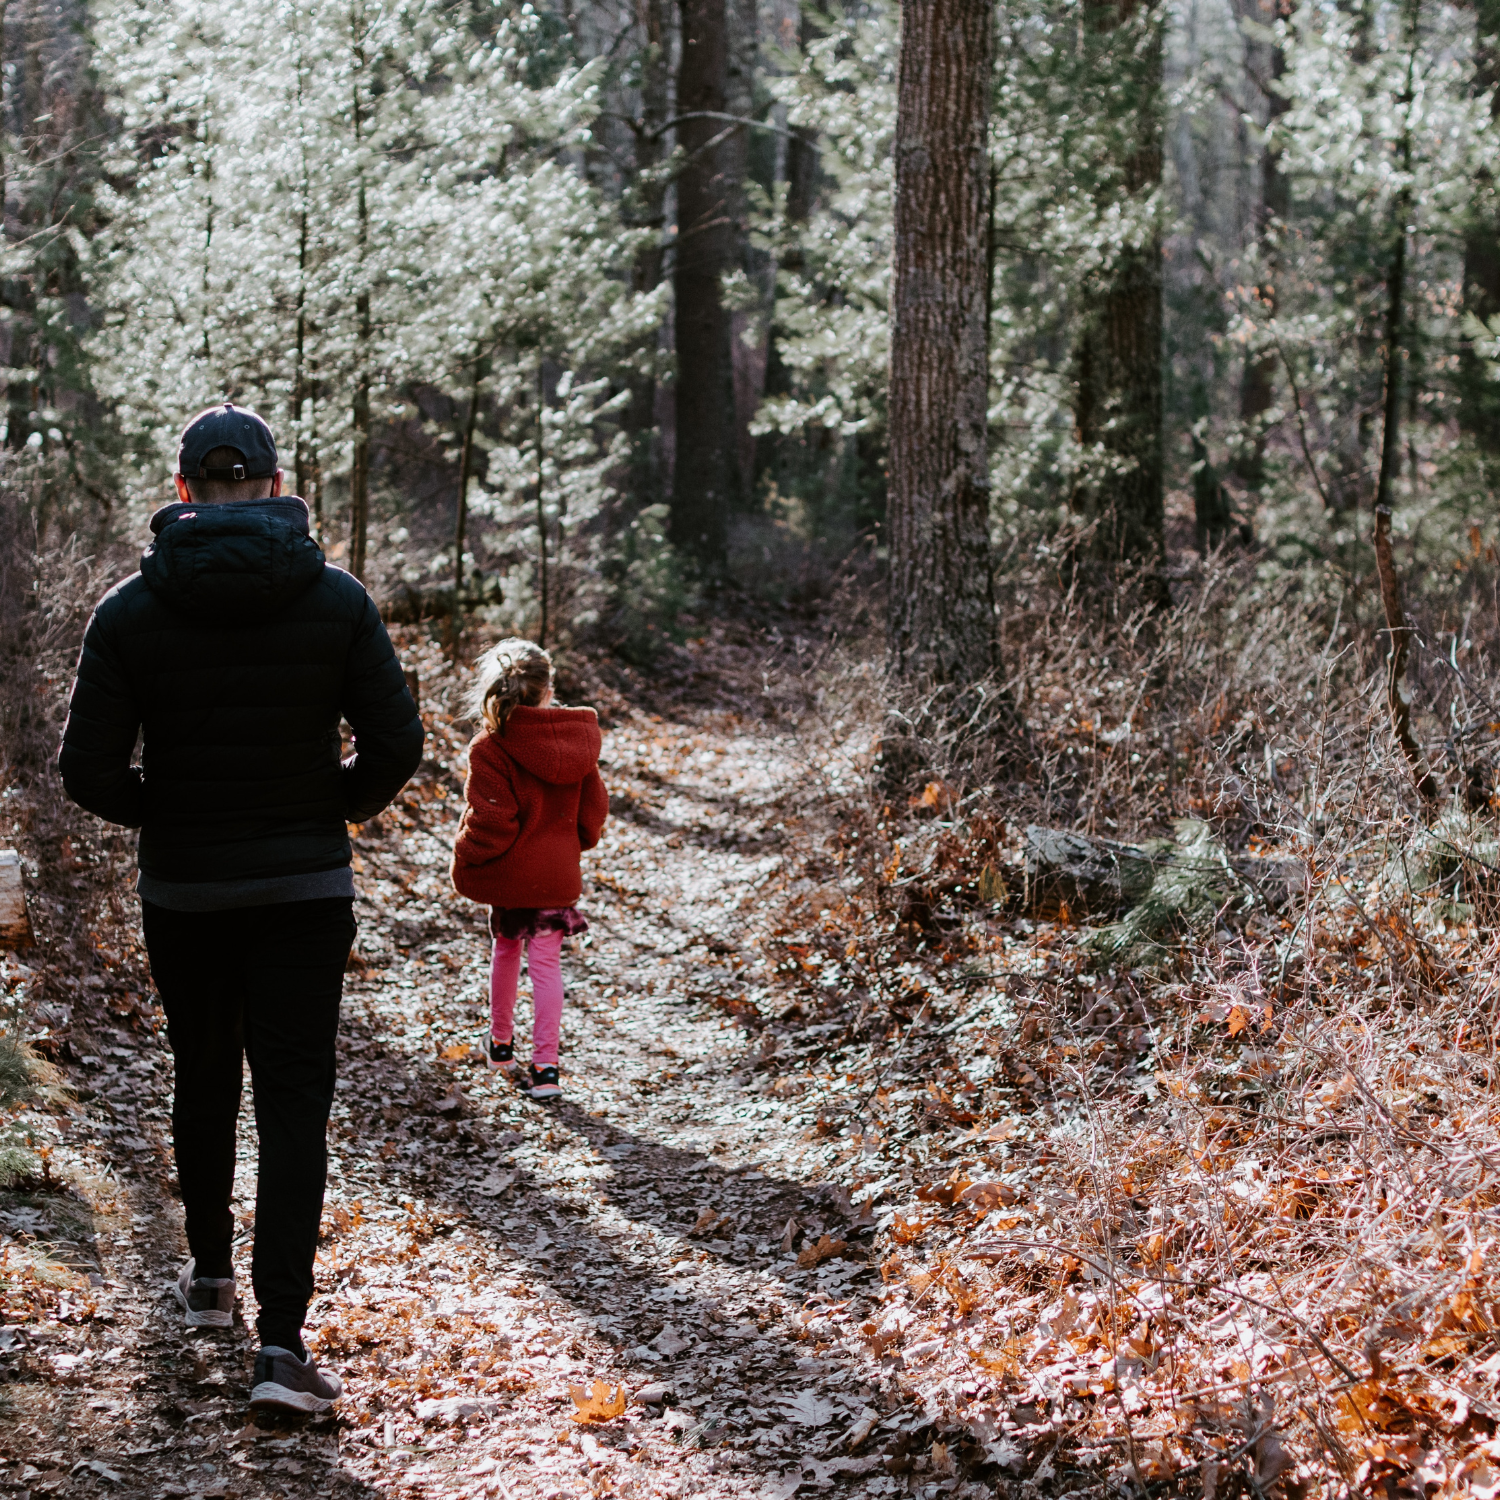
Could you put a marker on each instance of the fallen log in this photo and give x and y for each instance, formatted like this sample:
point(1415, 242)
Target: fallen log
point(1090, 876)
point(15, 920)
point(1098, 877)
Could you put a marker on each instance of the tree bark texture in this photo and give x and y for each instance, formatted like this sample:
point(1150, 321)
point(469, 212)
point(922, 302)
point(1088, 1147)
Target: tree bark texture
point(704, 483)
point(747, 341)
point(645, 208)
point(1258, 379)
point(785, 458)
point(1479, 392)
point(1119, 359)
point(359, 469)
point(1396, 350)
point(942, 607)
point(465, 471)
point(359, 473)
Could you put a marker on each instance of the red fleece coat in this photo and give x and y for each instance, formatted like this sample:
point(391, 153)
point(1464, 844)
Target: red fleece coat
point(535, 803)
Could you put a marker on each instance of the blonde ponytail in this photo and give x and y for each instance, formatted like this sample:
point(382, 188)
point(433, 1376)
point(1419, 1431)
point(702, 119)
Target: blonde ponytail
point(510, 674)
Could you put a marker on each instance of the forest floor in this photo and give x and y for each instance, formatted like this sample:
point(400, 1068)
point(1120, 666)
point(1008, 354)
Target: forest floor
point(496, 1276)
point(869, 1177)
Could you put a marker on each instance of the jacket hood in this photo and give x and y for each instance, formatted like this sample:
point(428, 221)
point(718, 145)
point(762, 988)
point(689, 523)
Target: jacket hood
point(559, 745)
point(234, 560)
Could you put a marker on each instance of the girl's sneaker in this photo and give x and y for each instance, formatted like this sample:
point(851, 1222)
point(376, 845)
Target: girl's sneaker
point(543, 1083)
point(502, 1055)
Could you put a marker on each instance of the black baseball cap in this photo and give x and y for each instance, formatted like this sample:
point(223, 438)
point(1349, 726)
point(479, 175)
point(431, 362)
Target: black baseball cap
point(227, 426)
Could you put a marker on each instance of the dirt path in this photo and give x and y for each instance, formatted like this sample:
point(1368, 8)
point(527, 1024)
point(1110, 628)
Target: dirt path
point(485, 1257)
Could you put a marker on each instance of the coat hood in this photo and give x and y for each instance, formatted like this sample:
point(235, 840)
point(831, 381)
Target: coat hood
point(237, 560)
point(560, 745)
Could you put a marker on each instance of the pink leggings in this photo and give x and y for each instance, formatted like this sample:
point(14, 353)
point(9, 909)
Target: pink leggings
point(544, 959)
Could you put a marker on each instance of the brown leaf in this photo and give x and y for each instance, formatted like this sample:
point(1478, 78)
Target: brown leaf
point(986, 1195)
point(598, 1403)
point(1004, 1361)
point(937, 797)
point(905, 1231)
point(878, 1340)
point(710, 1222)
point(336, 1220)
point(825, 1249)
point(946, 1193)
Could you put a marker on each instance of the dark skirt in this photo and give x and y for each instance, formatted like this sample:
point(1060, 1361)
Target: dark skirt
point(527, 921)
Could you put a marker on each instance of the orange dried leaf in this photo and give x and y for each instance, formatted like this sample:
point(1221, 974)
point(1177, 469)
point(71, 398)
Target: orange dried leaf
point(938, 796)
point(1004, 1361)
point(945, 1193)
point(825, 1249)
point(906, 1230)
point(598, 1403)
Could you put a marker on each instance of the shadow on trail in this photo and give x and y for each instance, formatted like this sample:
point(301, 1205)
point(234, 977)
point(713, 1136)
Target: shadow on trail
point(658, 1188)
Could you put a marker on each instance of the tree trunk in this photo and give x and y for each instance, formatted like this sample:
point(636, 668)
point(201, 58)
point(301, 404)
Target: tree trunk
point(747, 355)
point(704, 485)
point(1479, 392)
point(1119, 360)
point(461, 517)
point(1258, 379)
point(645, 208)
point(1395, 286)
point(942, 607)
point(777, 454)
point(359, 476)
point(301, 464)
point(541, 498)
point(359, 472)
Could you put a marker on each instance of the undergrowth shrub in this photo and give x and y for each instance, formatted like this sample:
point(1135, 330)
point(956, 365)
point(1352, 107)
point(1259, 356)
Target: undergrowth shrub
point(1260, 1110)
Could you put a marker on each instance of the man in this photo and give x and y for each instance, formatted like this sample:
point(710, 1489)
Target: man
point(237, 649)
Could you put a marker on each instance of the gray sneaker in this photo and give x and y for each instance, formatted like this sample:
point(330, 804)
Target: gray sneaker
point(207, 1301)
point(285, 1383)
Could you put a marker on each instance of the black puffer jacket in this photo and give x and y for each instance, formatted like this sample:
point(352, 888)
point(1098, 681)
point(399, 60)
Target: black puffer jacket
point(237, 649)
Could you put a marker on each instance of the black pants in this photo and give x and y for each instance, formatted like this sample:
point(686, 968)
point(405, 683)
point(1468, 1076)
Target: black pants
point(263, 983)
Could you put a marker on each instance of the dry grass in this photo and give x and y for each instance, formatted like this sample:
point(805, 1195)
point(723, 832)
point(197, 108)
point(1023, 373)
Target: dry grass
point(1219, 1216)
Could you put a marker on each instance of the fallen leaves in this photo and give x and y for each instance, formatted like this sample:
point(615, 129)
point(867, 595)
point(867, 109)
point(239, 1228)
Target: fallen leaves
point(908, 1231)
point(670, 1343)
point(987, 1195)
point(709, 1224)
point(945, 1193)
point(826, 1248)
point(808, 1409)
point(597, 1403)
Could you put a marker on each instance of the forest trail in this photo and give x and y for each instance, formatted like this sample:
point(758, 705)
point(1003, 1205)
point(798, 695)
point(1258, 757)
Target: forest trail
point(484, 1256)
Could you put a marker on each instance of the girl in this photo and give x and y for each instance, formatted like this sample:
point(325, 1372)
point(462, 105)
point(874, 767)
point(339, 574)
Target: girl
point(535, 802)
